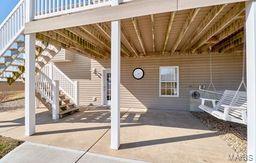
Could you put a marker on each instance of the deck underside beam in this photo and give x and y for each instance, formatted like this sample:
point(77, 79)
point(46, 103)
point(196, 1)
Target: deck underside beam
point(127, 10)
point(168, 31)
point(219, 26)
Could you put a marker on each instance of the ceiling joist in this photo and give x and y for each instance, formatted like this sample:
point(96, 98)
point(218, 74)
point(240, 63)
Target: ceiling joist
point(232, 28)
point(106, 31)
point(58, 40)
point(153, 32)
point(138, 33)
point(83, 43)
point(167, 34)
point(205, 23)
point(129, 43)
point(220, 25)
point(191, 17)
point(230, 43)
point(96, 36)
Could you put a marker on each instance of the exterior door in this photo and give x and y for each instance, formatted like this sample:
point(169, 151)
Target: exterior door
point(107, 87)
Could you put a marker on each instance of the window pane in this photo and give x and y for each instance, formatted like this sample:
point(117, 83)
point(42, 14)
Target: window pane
point(163, 92)
point(169, 92)
point(168, 74)
point(169, 81)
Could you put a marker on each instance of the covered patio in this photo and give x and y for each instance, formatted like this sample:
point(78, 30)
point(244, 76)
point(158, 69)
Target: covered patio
point(153, 136)
point(198, 30)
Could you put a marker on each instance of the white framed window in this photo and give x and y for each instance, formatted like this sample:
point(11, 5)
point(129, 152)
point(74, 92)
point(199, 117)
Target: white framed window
point(169, 81)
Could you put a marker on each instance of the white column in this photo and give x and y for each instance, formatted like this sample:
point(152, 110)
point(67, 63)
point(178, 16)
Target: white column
point(251, 79)
point(30, 85)
point(30, 75)
point(77, 93)
point(55, 105)
point(115, 81)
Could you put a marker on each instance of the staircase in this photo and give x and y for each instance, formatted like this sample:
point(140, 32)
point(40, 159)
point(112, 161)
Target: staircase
point(58, 100)
point(54, 99)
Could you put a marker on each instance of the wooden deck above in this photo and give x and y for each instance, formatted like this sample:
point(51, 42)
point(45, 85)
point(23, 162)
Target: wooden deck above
point(208, 29)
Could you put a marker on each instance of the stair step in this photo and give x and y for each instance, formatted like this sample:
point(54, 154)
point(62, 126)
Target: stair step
point(20, 43)
point(62, 113)
point(46, 58)
point(17, 65)
point(13, 49)
point(62, 96)
point(41, 64)
point(66, 100)
point(50, 52)
point(65, 106)
point(39, 50)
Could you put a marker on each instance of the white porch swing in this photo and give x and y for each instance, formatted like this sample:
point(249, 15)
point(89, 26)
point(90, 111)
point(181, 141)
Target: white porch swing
point(232, 106)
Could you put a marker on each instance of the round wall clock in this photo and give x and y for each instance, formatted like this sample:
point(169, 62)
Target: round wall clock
point(138, 73)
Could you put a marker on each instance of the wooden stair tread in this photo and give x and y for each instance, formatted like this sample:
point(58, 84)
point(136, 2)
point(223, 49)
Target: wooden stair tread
point(67, 105)
point(69, 110)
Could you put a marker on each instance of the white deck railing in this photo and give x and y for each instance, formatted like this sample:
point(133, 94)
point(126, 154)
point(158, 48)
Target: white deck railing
point(12, 27)
point(69, 87)
point(14, 24)
point(50, 8)
point(49, 90)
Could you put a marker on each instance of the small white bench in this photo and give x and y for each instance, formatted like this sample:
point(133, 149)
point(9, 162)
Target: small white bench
point(231, 106)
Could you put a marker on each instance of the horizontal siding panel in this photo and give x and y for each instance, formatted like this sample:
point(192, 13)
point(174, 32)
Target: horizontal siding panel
point(194, 70)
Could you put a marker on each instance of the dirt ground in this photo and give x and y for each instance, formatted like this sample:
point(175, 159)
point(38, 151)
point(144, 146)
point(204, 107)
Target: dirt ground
point(7, 144)
point(11, 95)
point(234, 134)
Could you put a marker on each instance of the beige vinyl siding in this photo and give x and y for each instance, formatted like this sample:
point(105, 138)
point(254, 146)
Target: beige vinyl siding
point(63, 56)
point(193, 71)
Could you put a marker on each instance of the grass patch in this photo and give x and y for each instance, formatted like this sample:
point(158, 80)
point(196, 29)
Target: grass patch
point(7, 144)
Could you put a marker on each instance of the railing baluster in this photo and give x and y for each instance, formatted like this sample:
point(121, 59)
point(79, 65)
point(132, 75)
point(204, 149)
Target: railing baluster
point(46, 6)
point(70, 4)
point(62, 5)
point(53, 6)
point(66, 4)
point(58, 5)
point(50, 6)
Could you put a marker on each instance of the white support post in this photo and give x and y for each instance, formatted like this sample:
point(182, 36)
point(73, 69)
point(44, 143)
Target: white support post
point(115, 81)
point(51, 70)
point(37, 103)
point(30, 85)
point(77, 93)
point(30, 117)
point(55, 105)
point(251, 79)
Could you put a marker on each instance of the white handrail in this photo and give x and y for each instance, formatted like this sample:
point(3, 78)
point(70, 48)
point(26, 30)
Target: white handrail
point(44, 86)
point(69, 87)
point(50, 8)
point(12, 26)
point(49, 90)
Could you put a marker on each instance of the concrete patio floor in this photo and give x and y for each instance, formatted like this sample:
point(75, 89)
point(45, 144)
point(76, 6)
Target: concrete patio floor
point(153, 136)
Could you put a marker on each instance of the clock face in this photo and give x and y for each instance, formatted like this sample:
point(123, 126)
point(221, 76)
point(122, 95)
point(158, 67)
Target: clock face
point(138, 73)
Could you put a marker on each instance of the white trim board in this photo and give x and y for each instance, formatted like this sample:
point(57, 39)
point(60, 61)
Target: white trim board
point(129, 9)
